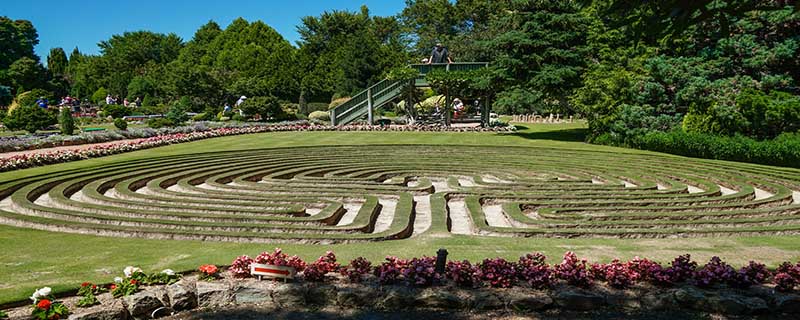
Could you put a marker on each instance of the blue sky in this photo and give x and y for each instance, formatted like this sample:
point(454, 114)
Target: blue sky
point(84, 23)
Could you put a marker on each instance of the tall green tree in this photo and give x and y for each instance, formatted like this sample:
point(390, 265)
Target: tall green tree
point(342, 52)
point(17, 39)
point(57, 62)
point(542, 52)
point(27, 74)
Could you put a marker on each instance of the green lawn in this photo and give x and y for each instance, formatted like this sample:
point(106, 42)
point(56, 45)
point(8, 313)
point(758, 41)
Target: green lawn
point(32, 259)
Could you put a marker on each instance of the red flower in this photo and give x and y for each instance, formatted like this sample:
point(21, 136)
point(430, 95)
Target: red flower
point(113, 287)
point(133, 281)
point(85, 284)
point(208, 269)
point(94, 287)
point(44, 304)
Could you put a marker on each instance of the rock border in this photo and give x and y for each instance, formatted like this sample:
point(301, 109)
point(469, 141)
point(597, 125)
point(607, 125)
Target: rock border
point(193, 295)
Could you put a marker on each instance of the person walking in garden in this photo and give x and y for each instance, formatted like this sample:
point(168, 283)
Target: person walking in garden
point(440, 55)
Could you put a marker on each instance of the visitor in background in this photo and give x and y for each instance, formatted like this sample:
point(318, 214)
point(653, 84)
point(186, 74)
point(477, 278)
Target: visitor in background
point(109, 99)
point(439, 55)
point(227, 108)
point(138, 101)
point(125, 102)
point(240, 101)
point(42, 102)
point(458, 108)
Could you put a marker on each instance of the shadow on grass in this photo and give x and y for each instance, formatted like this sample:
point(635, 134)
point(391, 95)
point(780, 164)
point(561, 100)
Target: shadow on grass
point(571, 135)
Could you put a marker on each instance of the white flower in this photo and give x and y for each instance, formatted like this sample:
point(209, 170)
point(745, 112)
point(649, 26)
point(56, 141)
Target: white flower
point(118, 279)
point(168, 272)
point(41, 293)
point(129, 271)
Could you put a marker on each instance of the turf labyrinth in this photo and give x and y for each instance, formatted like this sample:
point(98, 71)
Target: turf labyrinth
point(365, 193)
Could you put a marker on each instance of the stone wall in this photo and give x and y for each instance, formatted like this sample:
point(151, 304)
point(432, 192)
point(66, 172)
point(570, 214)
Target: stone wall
point(191, 294)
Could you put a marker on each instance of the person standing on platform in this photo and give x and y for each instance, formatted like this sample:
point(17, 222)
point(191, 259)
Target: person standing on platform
point(440, 55)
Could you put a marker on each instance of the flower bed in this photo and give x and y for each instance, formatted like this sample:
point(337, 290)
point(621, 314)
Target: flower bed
point(639, 285)
point(177, 135)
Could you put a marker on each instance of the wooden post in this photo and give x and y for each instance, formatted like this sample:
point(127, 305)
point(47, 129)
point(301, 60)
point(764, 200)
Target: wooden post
point(333, 117)
point(369, 107)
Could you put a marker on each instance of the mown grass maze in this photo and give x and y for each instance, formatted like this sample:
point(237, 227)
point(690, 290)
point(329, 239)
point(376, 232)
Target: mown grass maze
point(347, 194)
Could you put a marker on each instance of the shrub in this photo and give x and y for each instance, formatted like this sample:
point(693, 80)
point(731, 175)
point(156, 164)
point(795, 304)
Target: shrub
point(337, 102)
point(357, 270)
point(29, 118)
point(66, 122)
point(278, 258)
point(533, 269)
point(781, 151)
point(714, 272)
point(682, 268)
point(616, 274)
point(320, 115)
point(573, 271)
point(784, 282)
point(157, 123)
point(178, 112)
point(317, 270)
point(498, 272)
point(238, 117)
point(752, 273)
point(99, 95)
point(421, 272)
point(391, 270)
point(116, 110)
point(240, 267)
point(463, 273)
point(148, 101)
point(266, 107)
point(29, 98)
point(121, 124)
point(787, 276)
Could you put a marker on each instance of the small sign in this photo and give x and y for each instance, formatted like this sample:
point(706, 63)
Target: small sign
point(271, 271)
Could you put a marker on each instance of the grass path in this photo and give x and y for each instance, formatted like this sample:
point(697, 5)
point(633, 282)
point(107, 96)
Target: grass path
point(31, 259)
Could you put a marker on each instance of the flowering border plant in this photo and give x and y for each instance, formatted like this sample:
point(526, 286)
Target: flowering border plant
point(208, 272)
point(88, 293)
point(45, 307)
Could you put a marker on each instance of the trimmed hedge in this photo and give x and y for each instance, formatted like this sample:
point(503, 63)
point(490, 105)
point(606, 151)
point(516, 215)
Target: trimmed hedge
point(781, 151)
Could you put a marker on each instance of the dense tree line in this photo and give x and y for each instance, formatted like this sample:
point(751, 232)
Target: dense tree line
point(724, 67)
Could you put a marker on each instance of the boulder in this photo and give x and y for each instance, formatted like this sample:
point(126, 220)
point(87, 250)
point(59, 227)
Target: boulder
point(397, 298)
point(623, 300)
point(213, 294)
point(534, 301)
point(356, 296)
point(252, 294)
point(656, 301)
point(320, 295)
point(579, 300)
point(738, 305)
point(439, 298)
point(182, 295)
point(789, 304)
point(111, 310)
point(289, 295)
point(486, 300)
point(142, 304)
point(692, 298)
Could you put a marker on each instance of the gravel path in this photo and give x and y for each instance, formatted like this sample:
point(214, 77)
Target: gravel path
point(387, 214)
point(424, 216)
point(460, 221)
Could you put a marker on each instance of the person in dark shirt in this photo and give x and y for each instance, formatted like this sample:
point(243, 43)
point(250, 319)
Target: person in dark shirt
point(440, 55)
